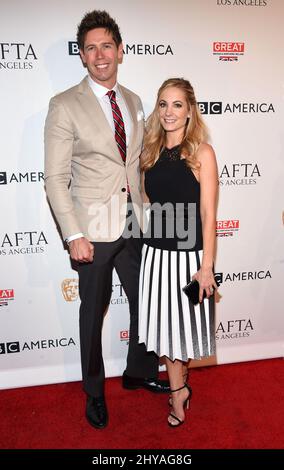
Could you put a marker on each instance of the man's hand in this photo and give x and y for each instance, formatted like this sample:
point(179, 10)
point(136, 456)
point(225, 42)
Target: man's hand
point(81, 250)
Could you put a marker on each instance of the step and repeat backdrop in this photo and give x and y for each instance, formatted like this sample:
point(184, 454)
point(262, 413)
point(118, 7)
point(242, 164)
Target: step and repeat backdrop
point(231, 51)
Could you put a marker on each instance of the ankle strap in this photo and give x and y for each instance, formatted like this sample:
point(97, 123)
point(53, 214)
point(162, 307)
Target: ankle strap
point(178, 389)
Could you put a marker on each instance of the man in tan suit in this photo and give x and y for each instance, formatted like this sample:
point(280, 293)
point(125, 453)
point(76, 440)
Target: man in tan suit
point(93, 139)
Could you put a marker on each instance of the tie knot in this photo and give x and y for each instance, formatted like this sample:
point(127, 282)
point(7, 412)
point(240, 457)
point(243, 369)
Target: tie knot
point(111, 94)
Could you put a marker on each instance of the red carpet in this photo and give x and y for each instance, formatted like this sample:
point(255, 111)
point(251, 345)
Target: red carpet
point(234, 406)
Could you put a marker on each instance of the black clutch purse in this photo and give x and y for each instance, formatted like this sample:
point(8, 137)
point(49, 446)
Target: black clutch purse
point(192, 290)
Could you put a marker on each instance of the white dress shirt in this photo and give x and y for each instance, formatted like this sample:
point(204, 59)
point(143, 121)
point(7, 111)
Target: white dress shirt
point(101, 95)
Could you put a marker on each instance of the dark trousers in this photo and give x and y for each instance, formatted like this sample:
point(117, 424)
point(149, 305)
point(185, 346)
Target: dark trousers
point(95, 288)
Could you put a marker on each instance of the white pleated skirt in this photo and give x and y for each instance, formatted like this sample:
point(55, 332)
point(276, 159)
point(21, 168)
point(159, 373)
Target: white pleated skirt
point(169, 324)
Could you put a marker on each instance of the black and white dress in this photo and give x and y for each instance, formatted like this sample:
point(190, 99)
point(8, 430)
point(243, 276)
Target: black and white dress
point(169, 324)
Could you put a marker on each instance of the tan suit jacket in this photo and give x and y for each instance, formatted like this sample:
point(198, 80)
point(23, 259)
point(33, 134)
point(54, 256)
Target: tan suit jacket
point(85, 176)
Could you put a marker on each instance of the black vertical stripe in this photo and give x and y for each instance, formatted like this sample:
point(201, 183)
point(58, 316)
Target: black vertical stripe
point(212, 325)
point(204, 337)
point(145, 259)
point(159, 305)
point(170, 307)
point(150, 292)
point(184, 354)
point(194, 335)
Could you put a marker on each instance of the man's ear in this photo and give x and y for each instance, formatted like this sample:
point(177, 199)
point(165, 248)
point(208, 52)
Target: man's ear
point(120, 53)
point(82, 56)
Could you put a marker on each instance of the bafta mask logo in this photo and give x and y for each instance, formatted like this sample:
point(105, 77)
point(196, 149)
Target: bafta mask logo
point(69, 289)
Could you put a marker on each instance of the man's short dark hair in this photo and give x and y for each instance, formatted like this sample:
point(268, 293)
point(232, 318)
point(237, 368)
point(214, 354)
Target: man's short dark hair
point(97, 19)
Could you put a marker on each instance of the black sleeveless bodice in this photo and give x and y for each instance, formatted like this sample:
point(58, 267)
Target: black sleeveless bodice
point(174, 194)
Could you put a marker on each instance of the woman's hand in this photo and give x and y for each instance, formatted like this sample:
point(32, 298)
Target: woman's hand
point(206, 281)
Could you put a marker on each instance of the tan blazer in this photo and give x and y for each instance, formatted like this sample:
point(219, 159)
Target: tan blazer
point(85, 176)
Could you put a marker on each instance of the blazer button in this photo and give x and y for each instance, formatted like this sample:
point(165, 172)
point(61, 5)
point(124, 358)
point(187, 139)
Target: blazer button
point(123, 190)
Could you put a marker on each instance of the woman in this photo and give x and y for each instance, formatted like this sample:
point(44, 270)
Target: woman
point(178, 170)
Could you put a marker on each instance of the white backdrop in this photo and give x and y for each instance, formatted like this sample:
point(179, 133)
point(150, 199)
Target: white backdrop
point(231, 51)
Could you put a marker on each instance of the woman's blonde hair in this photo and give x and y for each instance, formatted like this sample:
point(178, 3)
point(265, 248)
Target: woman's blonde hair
point(194, 134)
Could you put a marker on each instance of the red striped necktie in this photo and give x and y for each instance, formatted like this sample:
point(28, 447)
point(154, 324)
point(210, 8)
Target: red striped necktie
point(120, 136)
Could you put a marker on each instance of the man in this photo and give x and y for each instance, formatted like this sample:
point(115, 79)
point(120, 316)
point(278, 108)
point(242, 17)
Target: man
point(93, 139)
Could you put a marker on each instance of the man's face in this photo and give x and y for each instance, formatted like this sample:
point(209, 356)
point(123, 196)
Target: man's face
point(101, 57)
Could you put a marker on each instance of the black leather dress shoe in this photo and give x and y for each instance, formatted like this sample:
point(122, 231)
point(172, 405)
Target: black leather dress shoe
point(154, 385)
point(96, 412)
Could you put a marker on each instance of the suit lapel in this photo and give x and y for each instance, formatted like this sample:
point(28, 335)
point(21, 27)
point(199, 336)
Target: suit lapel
point(97, 117)
point(133, 114)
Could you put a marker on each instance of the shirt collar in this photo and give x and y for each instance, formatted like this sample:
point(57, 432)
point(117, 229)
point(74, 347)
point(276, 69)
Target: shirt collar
point(98, 89)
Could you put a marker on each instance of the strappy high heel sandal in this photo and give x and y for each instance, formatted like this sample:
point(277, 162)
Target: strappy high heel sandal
point(185, 376)
point(185, 406)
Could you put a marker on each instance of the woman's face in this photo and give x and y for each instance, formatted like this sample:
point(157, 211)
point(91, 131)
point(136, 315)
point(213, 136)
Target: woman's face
point(173, 110)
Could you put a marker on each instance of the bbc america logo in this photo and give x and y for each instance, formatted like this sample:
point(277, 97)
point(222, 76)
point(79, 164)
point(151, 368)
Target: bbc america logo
point(135, 49)
point(217, 107)
point(14, 347)
point(10, 348)
point(28, 177)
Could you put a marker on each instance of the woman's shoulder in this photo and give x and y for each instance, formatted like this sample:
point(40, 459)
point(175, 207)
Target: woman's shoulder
point(205, 150)
point(208, 164)
point(205, 154)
